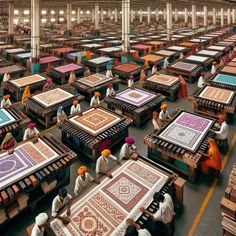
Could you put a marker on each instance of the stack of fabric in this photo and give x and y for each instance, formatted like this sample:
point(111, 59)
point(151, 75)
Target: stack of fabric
point(3, 216)
point(46, 187)
point(22, 201)
point(12, 210)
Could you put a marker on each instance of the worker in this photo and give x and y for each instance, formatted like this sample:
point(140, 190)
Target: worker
point(72, 78)
point(166, 63)
point(181, 56)
point(31, 132)
point(61, 115)
point(164, 114)
point(75, 108)
point(6, 103)
point(213, 67)
point(83, 180)
point(49, 85)
point(95, 101)
point(6, 76)
point(128, 150)
point(61, 200)
point(134, 229)
point(165, 212)
point(142, 77)
point(222, 135)
point(183, 90)
point(110, 90)
point(87, 72)
point(40, 223)
point(231, 55)
point(155, 121)
point(131, 81)
point(103, 163)
point(109, 72)
point(212, 159)
point(9, 143)
point(25, 96)
point(201, 80)
point(154, 68)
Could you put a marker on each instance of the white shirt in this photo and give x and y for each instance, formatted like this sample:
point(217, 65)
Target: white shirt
point(81, 184)
point(181, 55)
point(30, 133)
point(213, 69)
point(94, 101)
point(103, 163)
point(143, 232)
point(223, 132)
point(126, 151)
point(57, 204)
point(155, 124)
point(165, 212)
point(200, 82)
point(110, 92)
point(6, 77)
point(130, 83)
point(154, 69)
point(164, 115)
point(5, 103)
point(75, 109)
point(166, 63)
point(109, 73)
point(36, 231)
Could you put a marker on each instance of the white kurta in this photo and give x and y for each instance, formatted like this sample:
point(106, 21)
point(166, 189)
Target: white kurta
point(130, 83)
point(222, 134)
point(75, 109)
point(6, 77)
point(30, 133)
point(94, 101)
point(81, 184)
point(166, 63)
point(154, 70)
point(126, 151)
point(103, 163)
point(155, 124)
point(110, 92)
point(57, 204)
point(181, 55)
point(109, 73)
point(164, 115)
point(143, 232)
point(5, 103)
point(213, 69)
point(165, 212)
point(36, 231)
point(200, 82)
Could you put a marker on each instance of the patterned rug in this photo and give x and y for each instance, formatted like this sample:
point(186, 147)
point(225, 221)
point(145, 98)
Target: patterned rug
point(104, 211)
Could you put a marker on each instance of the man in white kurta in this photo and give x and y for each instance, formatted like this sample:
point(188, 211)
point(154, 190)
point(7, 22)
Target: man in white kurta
point(164, 114)
point(130, 81)
point(30, 132)
point(128, 149)
point(222, 134)
point(39, 226)
point(166, 63)
point(75, 108)
point(201, 80)
point(6, 102)
point(110, 90)
point(109, 73)
point(95, 101)
point(6, 77)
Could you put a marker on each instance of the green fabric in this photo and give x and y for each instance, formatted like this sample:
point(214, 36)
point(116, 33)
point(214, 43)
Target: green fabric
point(7, 137)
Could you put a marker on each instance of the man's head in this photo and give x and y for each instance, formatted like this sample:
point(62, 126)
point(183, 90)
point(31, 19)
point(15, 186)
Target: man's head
point(62, 194)
point(131, 231)
point(130, 141)
point(158, 197)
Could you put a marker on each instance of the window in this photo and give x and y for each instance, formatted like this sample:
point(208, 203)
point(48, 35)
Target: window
point(104, 12)
point(61, 19)
point(61, 12)
point(73, 19)
point(16, 12)
point(44, 12)
point(26, 12)
point(44, 20)
point(81, 12)
point(53, 19)
point(87, 12)
point(52, 12)
point(15, 21)
point(73, 12)
point(26, 20)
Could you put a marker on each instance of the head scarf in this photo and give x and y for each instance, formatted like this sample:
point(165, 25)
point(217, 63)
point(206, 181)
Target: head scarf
point(106, 153)
point(49, 80)
point(129, 140)
point(164, 106)
point(5, 97)
point(31, 125)
point(222, 117)
point(214, 63)
point(109, 85)
point(131, 77)
point(41, 219)
point(155, 114)
point(82, 169)
point(202, 73)
point(97, 94)
point(26, 94)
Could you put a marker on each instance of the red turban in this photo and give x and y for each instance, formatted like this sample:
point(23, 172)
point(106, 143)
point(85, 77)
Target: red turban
point(129, 140)
point(222, 117)
point(31, 125)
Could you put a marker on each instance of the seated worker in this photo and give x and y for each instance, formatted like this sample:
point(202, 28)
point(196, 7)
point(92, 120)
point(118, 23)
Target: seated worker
point(110, 90)
point(131, 81)
point(87, 72)
point(201, 80)
point(183, 91)
point(155, 121)
point(39, 226)
point(83, 180)
point(222, 134)
point(75, 108)
point(61, 115)
point(9, 143)
point(49, 85)
point(31, 132)
point(166, 63)
point(103, 163)
point(95, 101)
point(128, 150)
point(6, 103)
point(154, 68)
point(164, 114)
point(134, 229)
point(109, 72)
point(213, 67)
point(62, 199)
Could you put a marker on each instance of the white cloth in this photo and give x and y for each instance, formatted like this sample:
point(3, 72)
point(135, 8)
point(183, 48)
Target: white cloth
point(164, 115)
point(94, 101)
point(41, 218)
point(181, 55)
point(143, 232)
point(5, 103)
point(154, 69)
point(103, 163)
point(36, 231)
point(81, 184)
point(30, 133)
point(75, 109)
point(130, 83)
point(155, 124)
point(109, 73)
point(126, 151)
point(165, 212)
point(110, 92)
point(213, 69)
point(57, 204)
point(6, 77)
point(222, 134)
point(166, 63)
point(200, 82)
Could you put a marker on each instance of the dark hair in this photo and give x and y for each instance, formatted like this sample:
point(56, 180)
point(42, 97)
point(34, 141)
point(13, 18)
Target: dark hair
point(131, 231)
point(62, 192)
point(158, 197)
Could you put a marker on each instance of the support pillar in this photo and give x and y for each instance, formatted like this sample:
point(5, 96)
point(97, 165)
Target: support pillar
point(229, 16)
point(214, 16)
point(233, 16)
point(148, 15)
point(132, 16)
point(35, 34)
point(164, 14)
point(126, 25)
point(93, 16)
point(101, 14)
point(141, 16)
point(169, 20)
point(10, 19)
point(194, 18)
point(157, 14)
point(116, 19)
point(205, 17)
point(176, 14)
point(186, 15)
point(222, 17)
point(68, 14)
point(96, 16)
point(109, 13)
point(78, 15)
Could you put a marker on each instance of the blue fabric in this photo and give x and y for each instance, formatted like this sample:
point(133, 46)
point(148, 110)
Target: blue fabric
point(225, 79)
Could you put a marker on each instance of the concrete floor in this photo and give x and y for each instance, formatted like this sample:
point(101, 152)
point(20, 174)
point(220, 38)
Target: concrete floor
point(194, 194)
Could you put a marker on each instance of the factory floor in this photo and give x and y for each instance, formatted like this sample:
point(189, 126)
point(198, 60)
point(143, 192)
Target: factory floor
point(200, 214)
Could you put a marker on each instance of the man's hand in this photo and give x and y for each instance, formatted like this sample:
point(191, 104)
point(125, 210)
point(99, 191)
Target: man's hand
point(109, 175)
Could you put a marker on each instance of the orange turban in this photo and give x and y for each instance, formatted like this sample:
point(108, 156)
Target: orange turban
point(106, 152)
point(6, 97)
point(82, 169)
point(214, 63)
point(75, 102)
point(222, 117)
point(97, 94)
point(164, 106)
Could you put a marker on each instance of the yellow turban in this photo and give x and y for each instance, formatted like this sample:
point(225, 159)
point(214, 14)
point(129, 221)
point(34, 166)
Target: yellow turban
point(210, 151)
point(164, 106)
point(97, 94)
point(82, 170)
point(106, 152)
point(6, 97)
